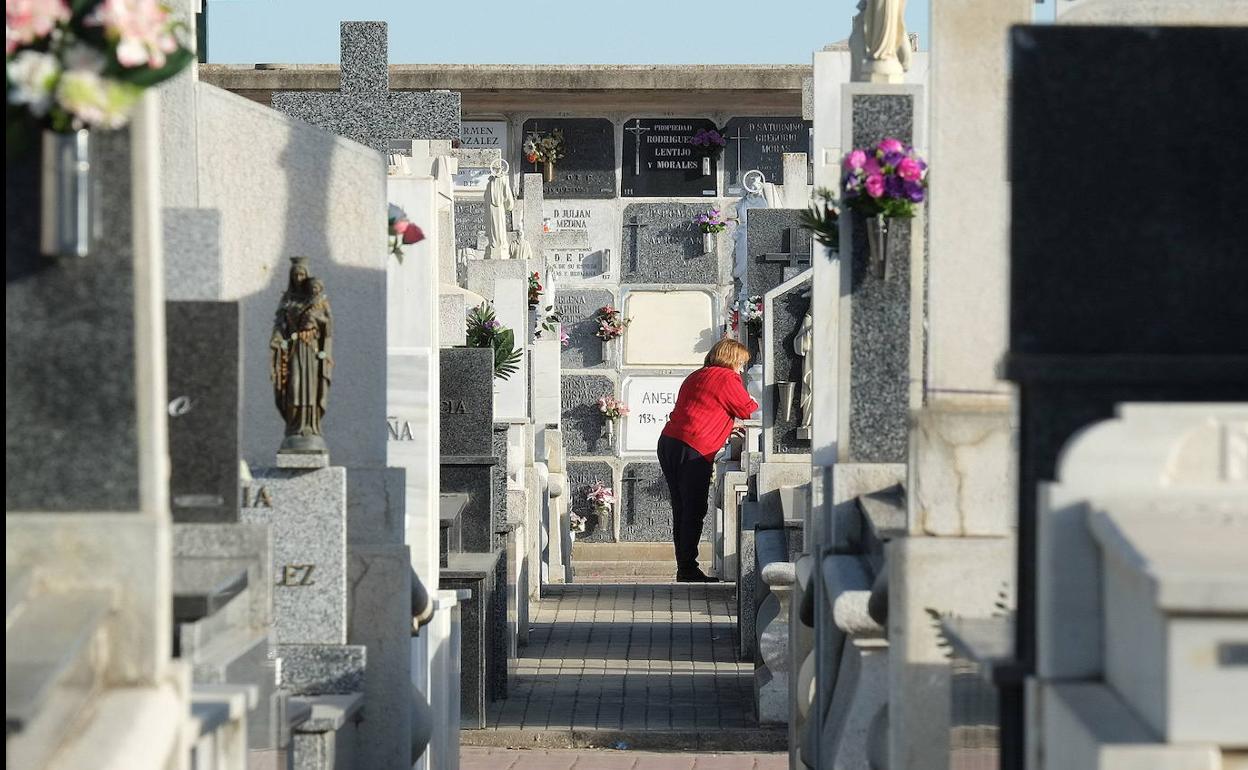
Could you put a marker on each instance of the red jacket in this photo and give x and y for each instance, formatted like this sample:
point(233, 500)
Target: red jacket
point(708, 401)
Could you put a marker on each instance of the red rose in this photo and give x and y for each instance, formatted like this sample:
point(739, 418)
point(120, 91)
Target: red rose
point(412, 234)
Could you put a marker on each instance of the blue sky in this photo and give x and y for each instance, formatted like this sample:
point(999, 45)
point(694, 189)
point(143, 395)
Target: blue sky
point(541, 31)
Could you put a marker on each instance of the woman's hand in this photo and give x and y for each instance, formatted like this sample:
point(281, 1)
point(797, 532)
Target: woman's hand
point(738, 431)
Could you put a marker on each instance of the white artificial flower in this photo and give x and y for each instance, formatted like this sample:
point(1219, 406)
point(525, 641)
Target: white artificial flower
point(33, 74)
point(95, 101)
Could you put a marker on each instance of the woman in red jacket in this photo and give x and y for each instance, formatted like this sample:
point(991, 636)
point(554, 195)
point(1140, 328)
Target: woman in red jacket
point(710, 401)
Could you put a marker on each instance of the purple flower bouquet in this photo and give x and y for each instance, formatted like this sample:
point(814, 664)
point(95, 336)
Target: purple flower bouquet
point(889, 179)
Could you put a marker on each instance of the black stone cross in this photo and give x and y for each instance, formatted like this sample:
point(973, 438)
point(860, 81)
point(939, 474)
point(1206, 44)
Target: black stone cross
point(365, 109)
point(736, 172)
point(794, 258)
point(636, 225)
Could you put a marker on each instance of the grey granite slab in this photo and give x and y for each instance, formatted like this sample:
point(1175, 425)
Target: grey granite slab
point(582, 476)
point(578, 309)
point(584, 425)
point(483, 617)
point(466, 408)
point(759, 143)
point(192, 243)
point(588, 168)
point(879, 408)
point(202, 357)
point(476, 482)
point(365, 110)
point(71, 429)
point(659, 162)
point(307, 511)
point(498, 480)
point(203, 586)
point(787, 312)
point(661, 244)
point(323, 669)
point(778, 248)
point(646, 505)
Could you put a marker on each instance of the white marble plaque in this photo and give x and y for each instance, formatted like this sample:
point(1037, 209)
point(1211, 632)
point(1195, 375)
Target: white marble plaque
point(669, 328)
point(483, 135)
point(650, 401)
point(589, 261)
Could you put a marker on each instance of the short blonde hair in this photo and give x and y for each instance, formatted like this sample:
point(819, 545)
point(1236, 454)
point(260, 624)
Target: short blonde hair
point(729, 354)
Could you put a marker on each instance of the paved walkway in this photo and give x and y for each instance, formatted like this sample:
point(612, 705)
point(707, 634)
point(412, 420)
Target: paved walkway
point(628, 665)
point(512, 759)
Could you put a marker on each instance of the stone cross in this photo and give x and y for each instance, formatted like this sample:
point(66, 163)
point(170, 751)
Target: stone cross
point(637, 130)
point(636, 224)
point(365, 109)
point(736, 172)
point(794, 259)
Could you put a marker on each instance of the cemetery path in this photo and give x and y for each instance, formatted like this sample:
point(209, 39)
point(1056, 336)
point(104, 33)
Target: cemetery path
point(636, 666)
point(588, 759)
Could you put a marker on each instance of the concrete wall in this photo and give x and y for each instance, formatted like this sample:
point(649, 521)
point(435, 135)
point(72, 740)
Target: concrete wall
point(283, 189)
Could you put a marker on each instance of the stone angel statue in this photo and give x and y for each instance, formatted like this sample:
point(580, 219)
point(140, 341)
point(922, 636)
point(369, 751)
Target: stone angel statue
point(301, 359)
point(803, 344)
point(878, 43)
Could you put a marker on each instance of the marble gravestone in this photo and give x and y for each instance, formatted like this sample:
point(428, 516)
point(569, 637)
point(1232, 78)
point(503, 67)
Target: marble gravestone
point(578, 309)
point(659, 161)
point(470, 224)
point(586, 262)
point(582, 476)
point(669, 328)
point(584, 424)
point(202, 358)
point(760, 143)
point(646, 505)
point(650, 401)
point(366, 110)
point(784, 308)
point(466, 431)
point(777, 247)
point(587, 169)
point(661, 244)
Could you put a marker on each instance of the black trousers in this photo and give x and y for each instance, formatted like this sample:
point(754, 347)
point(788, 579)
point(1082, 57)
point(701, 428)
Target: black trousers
point(688, 477)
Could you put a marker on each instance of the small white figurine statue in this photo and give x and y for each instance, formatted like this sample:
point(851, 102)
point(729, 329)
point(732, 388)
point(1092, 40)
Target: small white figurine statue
point(498, 201)
point(879, 46)
point(803, 344)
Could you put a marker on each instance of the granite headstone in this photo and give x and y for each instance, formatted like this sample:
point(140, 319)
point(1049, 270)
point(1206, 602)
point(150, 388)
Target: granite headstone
point(777, 246)
point(759, 143)
point(587, 169)
point(660, 162)
point(584, 424)
point(470, 223)
point(788, 309)
point(466, 407)
point(588, 260)
point(661, 244)
point(202, 357)
point(70, 349)
point(645, 505)
point(582, 477)
point(578, 310)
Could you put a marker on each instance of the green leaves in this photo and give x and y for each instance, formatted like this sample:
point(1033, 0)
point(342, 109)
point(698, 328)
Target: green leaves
point(484, 331)
point(506, 355)
point(823, 219)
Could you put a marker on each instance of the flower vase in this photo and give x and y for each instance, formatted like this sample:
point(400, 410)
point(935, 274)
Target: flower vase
point(706, 165)
point(548, 171)
point(708, 243)
point(877, 239)
point(610, 431)
point(69, 216)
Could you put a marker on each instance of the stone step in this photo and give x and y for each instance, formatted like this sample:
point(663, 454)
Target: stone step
point(592, 569)
point(627, 552)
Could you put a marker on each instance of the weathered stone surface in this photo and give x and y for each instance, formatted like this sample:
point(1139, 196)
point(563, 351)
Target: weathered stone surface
point(646, 506)
point(577, 308)
point(582, 238)
point(470, 223)
point(663, 163)
point(587, 169)
point(758, 143)
point(202, 357)
point(661, 244)
point(584, 425)
point(322, 669)
point(582, 476)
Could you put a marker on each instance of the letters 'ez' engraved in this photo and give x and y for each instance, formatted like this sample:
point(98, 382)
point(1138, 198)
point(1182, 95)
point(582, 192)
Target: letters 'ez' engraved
point(262, 498)
point(297, 575)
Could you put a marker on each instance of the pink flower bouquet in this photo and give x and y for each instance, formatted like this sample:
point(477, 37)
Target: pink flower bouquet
point(602, 497)
point(612, 407)
point(889, 179)
point(85, 64)
point(611, 323)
